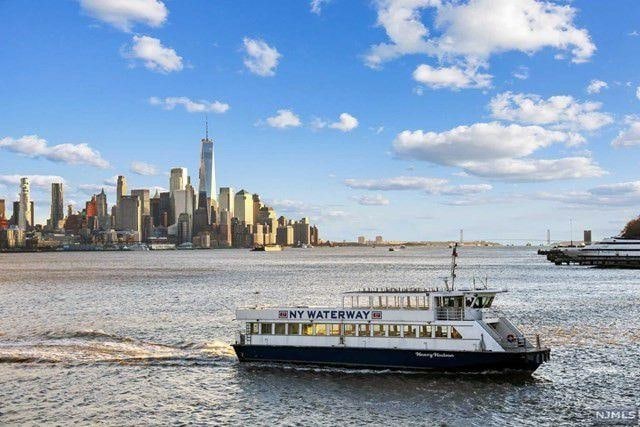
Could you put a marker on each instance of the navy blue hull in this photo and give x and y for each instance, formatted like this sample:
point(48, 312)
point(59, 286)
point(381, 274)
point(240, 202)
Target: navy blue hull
point(379, 358)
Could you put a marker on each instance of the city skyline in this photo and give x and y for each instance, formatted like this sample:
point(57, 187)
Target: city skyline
point(366, 131)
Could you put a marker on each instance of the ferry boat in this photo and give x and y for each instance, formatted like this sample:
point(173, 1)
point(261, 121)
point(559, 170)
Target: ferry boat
point(610, 252)
point(444, 329)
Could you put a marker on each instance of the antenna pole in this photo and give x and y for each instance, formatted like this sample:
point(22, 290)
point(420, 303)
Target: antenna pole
point(206, 127)
point(454, 255)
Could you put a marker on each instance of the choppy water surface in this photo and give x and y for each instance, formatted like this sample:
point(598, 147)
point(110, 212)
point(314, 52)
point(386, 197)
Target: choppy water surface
point(143, 337)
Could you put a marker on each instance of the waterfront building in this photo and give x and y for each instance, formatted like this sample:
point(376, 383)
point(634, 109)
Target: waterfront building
point(207, 173)
point(57, 205)
point(178, 179)
point(147, 227)
point(182, 203)
point(121, 188)
point(3, 212)
point(244, 207)
point(15, 214)
point(166, 213)
point(587, 237)
point(201, 219)
point(257, 204)
point(102, 211)
point(154, 208)
point(227, 200)
point(24, 215)
point(184, 228)
point(284, 235)
point(32, 213)
point(224, 229)
point(130, 214)
point(379, 240)
point(302, 232)
point(121, 191)
point(361, 240)
point(143, 195)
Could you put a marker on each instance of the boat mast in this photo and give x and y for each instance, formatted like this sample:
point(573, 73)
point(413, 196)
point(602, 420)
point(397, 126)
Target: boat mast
point(454, 255)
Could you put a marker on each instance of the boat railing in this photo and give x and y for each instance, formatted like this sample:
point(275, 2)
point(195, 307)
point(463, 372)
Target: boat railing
point(450, 313)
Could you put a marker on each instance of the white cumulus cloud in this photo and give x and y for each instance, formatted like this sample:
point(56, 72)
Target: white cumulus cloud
point(376, 200)
point(451, 77)
point(480, 141)
point(527, 170)
point(261, 58)
point(142, 168)
point(316, 6)
point(562, 112)
point(630, 136)
point(154, 55)
point(476, 29)
point(396, 183)
point(606, 195)
point(123, 14)
point(201, 106)
point(36, 147)
point(428, 185)
point(346, 123)
point(495, 150)
point(595, 86)
point(284, 119)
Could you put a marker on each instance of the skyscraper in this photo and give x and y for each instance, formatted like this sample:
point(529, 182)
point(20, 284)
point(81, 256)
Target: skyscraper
point(244, 207)
point(226, 201)
point(57, 205)
point(207, 175)
point(129, 213)
point(178, 179)
point(3, 211)
point(145, 206)
point(103, 212)
point(24, 215)
point(120, 193)
point(122, 188)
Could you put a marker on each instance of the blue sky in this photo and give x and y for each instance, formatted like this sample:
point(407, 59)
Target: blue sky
point(406, 118)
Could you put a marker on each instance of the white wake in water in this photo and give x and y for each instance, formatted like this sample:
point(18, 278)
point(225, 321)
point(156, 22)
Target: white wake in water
point(94, 346)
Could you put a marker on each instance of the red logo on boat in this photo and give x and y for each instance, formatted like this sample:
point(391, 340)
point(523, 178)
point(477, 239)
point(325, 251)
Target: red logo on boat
point(283, 314)
point(376, 315)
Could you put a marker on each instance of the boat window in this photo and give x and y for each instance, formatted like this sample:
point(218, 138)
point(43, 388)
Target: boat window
point(349, 330)
point(364, 330)
point(426, 331)
point(254, 328)
point(483, 302)
point(378, 330)
point(455, 334)
point(307, 329)
point(394, 330)
point(321, 329)
point(442, 331)
point(294, 329)
point(409, 331)
point(335, 329)
point(279, 328)
point(265, 328)
point(378, 302)
point(423, 302)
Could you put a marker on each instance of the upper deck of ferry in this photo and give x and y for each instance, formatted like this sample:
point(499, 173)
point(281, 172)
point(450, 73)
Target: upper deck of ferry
point(418, 298)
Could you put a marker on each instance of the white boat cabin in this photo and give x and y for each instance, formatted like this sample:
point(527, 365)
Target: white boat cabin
point(417, 319)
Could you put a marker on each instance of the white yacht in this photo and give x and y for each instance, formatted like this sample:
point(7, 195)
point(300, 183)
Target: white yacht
point(417, 329)
point(610, 252)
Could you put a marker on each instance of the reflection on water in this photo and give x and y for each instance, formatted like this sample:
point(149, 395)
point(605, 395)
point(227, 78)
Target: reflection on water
point(130, 338)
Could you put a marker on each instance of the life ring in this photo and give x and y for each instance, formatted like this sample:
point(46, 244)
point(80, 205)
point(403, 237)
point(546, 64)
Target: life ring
point(511, 338)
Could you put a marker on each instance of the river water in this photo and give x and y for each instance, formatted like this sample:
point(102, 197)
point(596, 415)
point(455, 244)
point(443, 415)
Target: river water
point(143, 338)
